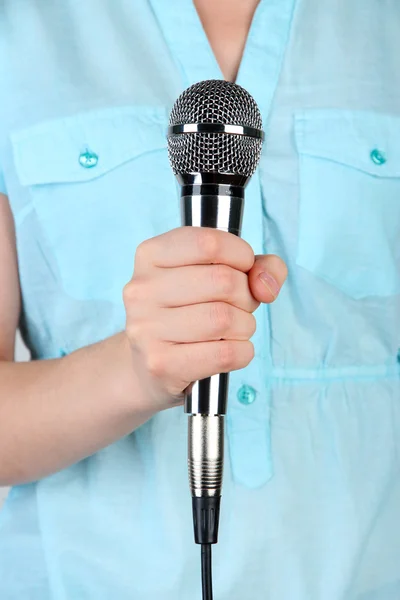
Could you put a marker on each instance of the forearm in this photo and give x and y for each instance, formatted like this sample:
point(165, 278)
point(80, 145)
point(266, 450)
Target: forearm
point(54, 413)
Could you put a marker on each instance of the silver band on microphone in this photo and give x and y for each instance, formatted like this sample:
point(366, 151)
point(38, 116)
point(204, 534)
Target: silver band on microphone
point(215, 128)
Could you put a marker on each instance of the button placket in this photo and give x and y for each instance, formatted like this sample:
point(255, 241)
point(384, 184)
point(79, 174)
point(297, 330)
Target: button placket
point(248, 415)
point(248, 425)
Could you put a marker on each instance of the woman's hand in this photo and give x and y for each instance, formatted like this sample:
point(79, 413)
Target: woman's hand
point(189, 305)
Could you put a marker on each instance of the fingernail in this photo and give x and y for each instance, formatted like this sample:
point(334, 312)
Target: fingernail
point(270, 283)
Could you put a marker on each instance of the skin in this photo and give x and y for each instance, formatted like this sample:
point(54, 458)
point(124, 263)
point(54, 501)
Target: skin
point(188, 316)
point(227, 23)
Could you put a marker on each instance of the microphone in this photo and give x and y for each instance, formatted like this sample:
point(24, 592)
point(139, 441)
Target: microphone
point(214, 145)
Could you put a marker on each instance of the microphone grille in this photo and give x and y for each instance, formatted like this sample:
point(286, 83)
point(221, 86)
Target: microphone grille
point(215, 101)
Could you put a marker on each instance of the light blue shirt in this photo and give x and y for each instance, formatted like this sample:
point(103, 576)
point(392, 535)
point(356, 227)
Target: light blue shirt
point(3, 189)
point(311, 498)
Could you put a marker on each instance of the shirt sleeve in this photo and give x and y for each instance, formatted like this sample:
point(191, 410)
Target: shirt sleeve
point(2, 183)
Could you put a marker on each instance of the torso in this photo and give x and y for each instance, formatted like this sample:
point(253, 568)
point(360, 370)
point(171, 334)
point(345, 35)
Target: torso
point(313, 445)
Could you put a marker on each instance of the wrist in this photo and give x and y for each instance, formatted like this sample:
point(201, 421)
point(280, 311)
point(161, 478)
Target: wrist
point(134, 386)
point(130, 387)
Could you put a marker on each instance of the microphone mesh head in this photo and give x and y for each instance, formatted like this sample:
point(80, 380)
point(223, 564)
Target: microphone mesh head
point(215, 101)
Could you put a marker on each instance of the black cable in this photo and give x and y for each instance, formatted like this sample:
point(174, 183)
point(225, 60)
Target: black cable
point(206, 571)
point(206, 521)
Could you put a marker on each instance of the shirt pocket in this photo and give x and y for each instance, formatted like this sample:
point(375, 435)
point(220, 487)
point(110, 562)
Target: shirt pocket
point(349, 216)
point(100, 183)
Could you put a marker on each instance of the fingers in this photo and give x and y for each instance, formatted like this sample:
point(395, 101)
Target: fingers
point(182, 364)
point(266, 277)
point(202, 322)
point(194, 246)
point(190, 301)
point(183, 286)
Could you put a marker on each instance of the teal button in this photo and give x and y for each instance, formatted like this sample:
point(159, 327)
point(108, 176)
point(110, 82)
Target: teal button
point(378, 157)
point(246, 394)
point(88, 159)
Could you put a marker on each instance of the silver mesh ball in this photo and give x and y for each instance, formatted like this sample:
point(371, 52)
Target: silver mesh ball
point(215, 101)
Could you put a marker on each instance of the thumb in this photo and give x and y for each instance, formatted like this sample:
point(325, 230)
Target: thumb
point(266, 277)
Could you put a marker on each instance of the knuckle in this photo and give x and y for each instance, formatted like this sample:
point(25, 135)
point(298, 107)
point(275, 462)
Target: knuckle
point(142, 251)
point(248, 354)
point(127, 293)
point(252, 325)
point(134, 330)
point(248, 253)
point(208, 243)
point(156, 364)
point(221, 317)
point(226, 356)
point(134, 291)
point(223, 279)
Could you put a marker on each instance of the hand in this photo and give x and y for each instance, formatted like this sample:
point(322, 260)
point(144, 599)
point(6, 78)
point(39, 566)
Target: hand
point(189, 305)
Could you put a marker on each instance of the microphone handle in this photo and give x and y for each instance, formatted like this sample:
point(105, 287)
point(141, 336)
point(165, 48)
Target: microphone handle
point(217, 205)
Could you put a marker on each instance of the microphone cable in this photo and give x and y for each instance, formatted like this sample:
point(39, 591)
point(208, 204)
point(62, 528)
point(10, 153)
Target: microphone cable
point(206, 571)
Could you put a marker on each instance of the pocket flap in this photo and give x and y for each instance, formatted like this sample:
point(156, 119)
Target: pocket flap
point(51, 151)
point(368, 141)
